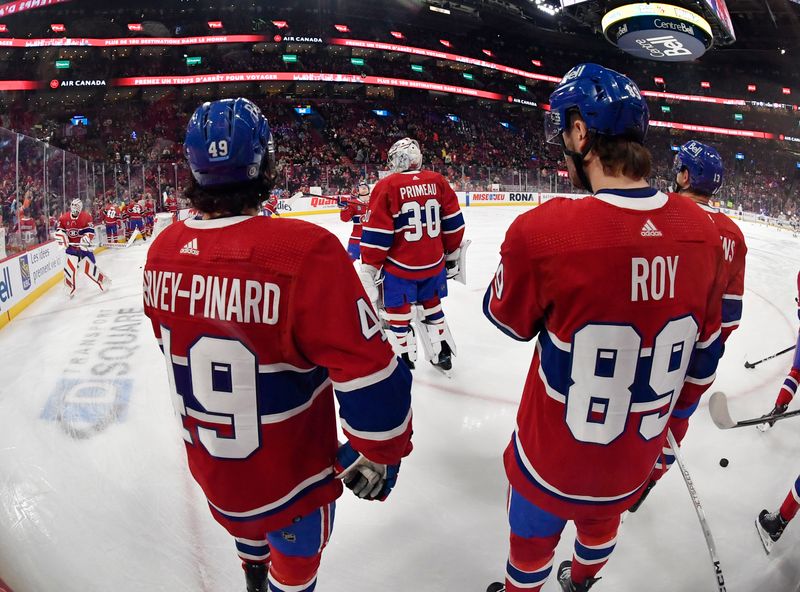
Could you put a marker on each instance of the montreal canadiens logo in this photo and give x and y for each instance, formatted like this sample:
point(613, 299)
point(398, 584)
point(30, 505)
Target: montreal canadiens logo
point(54, 84)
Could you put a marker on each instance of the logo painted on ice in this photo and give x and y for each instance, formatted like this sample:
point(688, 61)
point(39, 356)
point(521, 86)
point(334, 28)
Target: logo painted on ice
point(85, 407)
point(25, 270)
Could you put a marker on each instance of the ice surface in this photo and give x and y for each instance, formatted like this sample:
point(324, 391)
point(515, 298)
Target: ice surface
point(110, 505)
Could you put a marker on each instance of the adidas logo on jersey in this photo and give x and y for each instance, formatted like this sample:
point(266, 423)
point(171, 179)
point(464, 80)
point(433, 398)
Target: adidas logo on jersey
point(649, 229)
point(190, 248)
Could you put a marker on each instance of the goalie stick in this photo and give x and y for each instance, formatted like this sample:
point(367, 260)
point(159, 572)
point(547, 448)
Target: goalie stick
point(721, 415)
point(701, 515)
point(780, 353)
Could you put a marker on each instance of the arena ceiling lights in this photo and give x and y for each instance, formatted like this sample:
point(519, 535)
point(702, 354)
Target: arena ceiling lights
point(659, 32)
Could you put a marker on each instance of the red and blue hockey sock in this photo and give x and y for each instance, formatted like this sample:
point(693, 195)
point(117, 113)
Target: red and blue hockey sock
point(399, 318)
point(534, 536)
point(789, 388)
point(293, 553)
point(593, 546)
point(792, 502)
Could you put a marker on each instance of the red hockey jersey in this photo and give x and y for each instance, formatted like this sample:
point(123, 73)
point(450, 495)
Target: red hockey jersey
point(624, 292)
point(171, 203)
point(76, 228)
point(149, 209)
point(734, 250)
point(135, 211)
point(354, 211)
point(256, 345)
point(111, 214)
point(413, 220)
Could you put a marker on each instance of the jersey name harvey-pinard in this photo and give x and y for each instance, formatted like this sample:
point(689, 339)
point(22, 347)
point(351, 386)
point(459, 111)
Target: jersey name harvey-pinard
point(213, 297)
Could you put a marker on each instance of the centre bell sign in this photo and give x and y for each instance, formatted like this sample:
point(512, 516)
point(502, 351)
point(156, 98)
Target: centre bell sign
point(659, 32)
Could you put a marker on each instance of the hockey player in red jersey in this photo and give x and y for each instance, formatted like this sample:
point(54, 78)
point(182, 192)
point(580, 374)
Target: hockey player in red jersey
point(256, 346)
point(75, 233)
point(269, 206)
point(171, 204)
point(699, 173)
point(622, 289)
point(770, 525)
point(112, 218)
point(135, 211)
point(353, 210)
point(789, 387)
point(149, 214)
point(413, 227)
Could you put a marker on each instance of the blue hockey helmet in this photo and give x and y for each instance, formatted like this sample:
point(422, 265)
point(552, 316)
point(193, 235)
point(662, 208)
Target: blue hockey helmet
point(704, 165)
point(229, 142)
point(609, 103)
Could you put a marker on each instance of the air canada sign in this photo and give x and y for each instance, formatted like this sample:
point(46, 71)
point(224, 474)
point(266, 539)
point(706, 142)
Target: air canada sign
point(54, 84)
point(660, 32)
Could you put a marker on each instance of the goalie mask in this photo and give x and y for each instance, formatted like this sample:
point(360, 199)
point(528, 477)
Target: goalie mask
point(405, 155)
point(75, 207)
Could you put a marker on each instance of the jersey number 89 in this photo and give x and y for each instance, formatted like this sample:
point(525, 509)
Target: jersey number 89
point(605, 359)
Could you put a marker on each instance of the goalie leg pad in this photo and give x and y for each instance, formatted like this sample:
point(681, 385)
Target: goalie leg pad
point(91, 270)
point(401, 338)
point(70, 273)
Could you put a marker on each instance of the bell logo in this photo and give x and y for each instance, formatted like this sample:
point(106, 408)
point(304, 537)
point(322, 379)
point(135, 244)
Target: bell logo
point(672, 47)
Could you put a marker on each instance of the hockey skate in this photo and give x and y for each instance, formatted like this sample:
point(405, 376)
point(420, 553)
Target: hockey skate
point(770, 528)
point(777, 410)
point(444, 362)
point(256, 576)
point(496, 587)
point(565, 579)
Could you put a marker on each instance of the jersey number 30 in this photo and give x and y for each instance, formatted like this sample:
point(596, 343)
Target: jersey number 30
point(432, 220)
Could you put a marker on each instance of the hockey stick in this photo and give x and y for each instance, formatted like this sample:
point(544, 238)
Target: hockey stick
point(780, 353)
point(701, 515)
point(721, 415)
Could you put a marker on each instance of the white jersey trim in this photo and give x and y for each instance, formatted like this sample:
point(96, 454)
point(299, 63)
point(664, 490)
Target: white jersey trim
point(215, 222)
point(501, 324)
point(733, 296)
point(554, 489)
point(283, 367)
point(403, 265)
point(379, 436)
point(641, 204)
point(266, 508)
point(709, 341)
point(284, 415)
point(369, 380)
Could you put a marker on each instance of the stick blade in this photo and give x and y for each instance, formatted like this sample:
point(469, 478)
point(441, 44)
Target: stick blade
point(720, 414)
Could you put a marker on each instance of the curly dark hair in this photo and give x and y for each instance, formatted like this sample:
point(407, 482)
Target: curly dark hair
point(229, 200)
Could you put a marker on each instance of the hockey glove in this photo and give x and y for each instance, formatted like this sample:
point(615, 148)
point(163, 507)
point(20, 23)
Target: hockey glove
point(369, 279)
point(62, 239)
point(366, 479)
point(451, 264)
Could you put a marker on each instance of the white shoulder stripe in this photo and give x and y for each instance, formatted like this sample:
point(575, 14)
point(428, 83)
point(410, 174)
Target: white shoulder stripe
point(378, 436)
point(365, 381)
point(381, 230)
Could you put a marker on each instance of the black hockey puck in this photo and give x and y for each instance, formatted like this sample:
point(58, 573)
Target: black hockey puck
point(723, 462)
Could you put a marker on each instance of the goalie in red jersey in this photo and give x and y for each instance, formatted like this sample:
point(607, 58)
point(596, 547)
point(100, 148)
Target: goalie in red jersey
point(257, 344)
point(623, 290)
point(411, 244)
point(75, 233)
